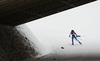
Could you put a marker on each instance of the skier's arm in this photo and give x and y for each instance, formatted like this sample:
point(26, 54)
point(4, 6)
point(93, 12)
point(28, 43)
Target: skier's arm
point(76, 34)
point(69, 34)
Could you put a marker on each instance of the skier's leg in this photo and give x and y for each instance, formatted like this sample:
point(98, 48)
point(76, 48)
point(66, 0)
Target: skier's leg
point(78, 40)
point(72, 40)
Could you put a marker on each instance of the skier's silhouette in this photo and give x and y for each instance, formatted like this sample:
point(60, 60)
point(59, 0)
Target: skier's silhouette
point(74, 35)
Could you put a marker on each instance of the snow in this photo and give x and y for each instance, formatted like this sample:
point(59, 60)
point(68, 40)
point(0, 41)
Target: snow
point(53, 32)
point(39, 48)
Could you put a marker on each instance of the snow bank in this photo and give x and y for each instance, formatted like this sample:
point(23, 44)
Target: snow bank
point(39, 48)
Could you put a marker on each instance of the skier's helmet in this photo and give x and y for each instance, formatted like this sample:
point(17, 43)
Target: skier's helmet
point(72, 31)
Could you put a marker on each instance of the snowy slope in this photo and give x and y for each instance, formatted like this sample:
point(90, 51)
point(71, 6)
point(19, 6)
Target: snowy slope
point(39, 48)
point(89, 47)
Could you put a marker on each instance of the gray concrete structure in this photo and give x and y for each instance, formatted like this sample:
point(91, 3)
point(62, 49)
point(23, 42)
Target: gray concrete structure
point(16, 12)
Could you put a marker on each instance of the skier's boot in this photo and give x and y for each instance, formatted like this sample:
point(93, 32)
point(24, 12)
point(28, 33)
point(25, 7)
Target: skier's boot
point(72, 43)
point(80, 42)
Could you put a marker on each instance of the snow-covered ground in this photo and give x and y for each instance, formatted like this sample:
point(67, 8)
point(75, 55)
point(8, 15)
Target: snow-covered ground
point(53, 31)
point(53, 41)
point(25, 31)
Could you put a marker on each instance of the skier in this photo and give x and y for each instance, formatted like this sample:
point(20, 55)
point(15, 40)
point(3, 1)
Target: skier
point(74, 35)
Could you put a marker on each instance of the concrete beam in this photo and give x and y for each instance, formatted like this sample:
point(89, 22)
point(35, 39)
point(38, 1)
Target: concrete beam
point(16, 12)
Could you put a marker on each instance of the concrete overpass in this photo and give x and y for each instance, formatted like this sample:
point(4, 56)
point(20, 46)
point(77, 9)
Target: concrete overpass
point(16, 12)
point(13, 45)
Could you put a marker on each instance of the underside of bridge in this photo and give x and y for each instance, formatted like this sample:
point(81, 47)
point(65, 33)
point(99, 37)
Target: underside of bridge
point(16, 12)
point(13, 45)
